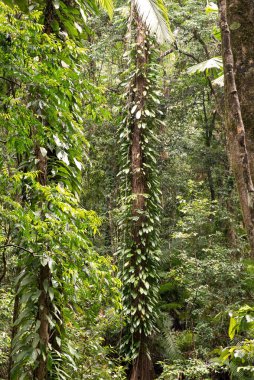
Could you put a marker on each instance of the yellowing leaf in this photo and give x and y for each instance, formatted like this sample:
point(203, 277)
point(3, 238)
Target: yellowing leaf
point(232, 328)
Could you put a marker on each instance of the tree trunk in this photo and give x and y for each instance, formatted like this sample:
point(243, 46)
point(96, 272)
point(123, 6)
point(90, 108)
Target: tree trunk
point(44, 281)
point(41, 372)
point(142, 367)
point(240, 14)
point(239, 157)
point(13, 329)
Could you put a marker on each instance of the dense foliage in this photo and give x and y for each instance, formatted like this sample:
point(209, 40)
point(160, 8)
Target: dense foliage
point(123, 250)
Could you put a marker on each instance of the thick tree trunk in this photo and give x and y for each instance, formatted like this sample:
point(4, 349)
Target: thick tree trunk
point(240, 14)
point(142, 368)
point(236, 135)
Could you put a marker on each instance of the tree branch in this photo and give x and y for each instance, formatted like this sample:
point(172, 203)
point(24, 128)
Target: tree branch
point(10, 81)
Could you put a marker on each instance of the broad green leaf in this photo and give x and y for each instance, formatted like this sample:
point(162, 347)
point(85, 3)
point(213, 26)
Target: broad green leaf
point(232, 328)
point(211, 7)
point(219, 81)
point(108, 5)
point(213, 63)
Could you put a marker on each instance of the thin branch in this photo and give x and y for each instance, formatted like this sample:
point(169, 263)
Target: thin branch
point(176, 48)
point(3, 255)
point(202, 42)
point(10, 81)
point(4, 265)
point(16, 246)
point(167, 52)
point(186, 53)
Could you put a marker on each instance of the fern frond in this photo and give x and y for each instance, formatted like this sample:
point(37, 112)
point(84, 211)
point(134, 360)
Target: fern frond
point(170, 345)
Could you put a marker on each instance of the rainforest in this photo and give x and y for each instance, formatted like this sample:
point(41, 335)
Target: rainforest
point(126, 190)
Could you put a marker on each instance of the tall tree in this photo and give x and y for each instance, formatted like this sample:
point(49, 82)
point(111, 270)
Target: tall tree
point(40, 282)
point(235, 113)
point(140, 197)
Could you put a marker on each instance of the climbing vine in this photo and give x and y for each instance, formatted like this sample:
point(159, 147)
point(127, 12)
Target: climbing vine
point(139, 219)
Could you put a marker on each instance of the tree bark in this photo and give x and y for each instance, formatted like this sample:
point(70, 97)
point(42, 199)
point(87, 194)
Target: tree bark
point(236, 135)
point(14, 329)
point(44, 280)
point(142, 367)
point(240, 14)
point(41, 372)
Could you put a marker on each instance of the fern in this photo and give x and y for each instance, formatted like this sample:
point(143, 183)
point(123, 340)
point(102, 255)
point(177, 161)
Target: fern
point(171, 349)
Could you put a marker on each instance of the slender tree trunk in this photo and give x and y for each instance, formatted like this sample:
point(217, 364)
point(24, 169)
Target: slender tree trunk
point(13, 329)
point(41, 372)
point(44, 280)
point(142, 367)
point(209, 127)
point(236, 135)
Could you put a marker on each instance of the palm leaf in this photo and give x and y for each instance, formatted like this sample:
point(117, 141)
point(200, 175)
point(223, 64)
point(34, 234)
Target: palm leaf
point(213, 63)
point(219, 81)
point(108, 5)
point(211, 7)
point(154, 15)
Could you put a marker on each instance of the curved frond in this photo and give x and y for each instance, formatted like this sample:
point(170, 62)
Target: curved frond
point(219, 81)
point(154, 15)
point(213, 63)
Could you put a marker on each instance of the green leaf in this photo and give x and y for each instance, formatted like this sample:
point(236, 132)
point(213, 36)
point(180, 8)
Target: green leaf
point(219, 81)
point(232, 328)
point(108, 5)
point(211, 8)
point(138, 114)
point(79, 28)
point(213, 63)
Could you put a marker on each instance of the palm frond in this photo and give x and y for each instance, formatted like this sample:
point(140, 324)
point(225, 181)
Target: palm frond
point(211, 7)
point(219, 81)
point(108, 5)
point(213, 63)
point(154, 15)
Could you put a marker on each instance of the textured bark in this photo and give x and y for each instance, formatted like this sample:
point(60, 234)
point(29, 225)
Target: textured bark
point(236, 131)
point(240, 14)
point(44, 280)
point(41, 372)
point(49, 16)
point(209, 127)
point(142, 367)
point(14, 329)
